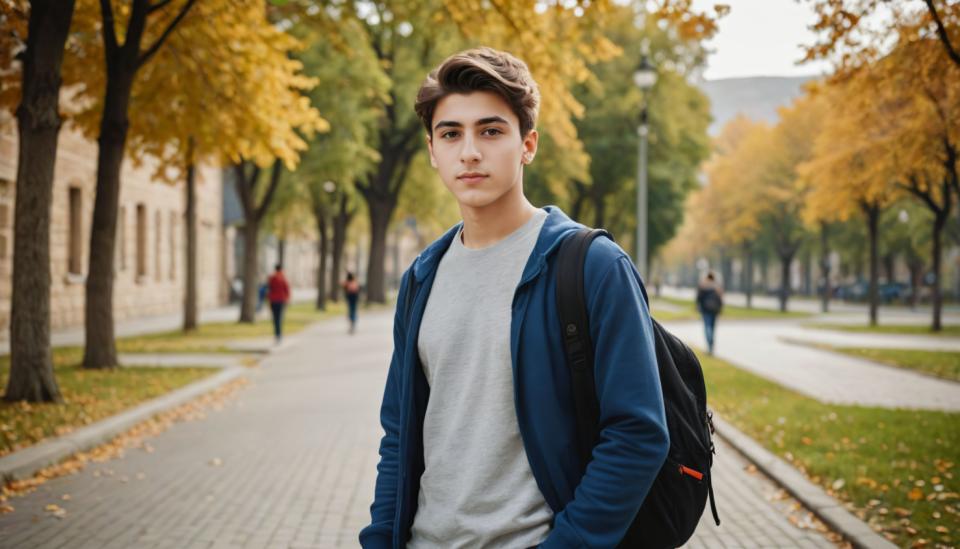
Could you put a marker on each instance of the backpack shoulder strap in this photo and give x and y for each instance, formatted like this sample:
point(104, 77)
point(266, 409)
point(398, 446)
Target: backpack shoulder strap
point(411, 292)
point(574, 320)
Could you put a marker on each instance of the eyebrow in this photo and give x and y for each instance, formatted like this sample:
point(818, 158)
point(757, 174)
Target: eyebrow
point(481, 122)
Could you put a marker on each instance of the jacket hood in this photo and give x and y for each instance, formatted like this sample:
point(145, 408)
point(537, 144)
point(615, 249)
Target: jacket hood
point(555, 228)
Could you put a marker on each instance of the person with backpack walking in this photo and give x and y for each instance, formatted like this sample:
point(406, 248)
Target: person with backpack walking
point(480, 444)
point(278, 293)
point(710, 304)
point(352, 290)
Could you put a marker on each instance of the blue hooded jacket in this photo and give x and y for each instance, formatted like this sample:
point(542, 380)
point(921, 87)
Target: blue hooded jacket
point(593, 508)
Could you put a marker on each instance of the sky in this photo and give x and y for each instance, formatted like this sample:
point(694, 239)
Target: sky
point(761, 38)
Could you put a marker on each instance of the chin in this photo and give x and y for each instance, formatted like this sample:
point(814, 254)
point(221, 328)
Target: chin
point(475, 199)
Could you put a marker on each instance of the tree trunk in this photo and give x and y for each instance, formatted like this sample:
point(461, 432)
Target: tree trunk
point(599, 210)
point(765, 271)
point(322, 240)
point(190, 294)
point(253, 213)
point(341, 222)
point(248, 304)
point(726, 268)
point(786, 259)
point(873, 216)
point(916, 274)
point(939, 222)
point(122, 62)
point(748, 273)
point(38, 124)
point(100, 349)
point(889, 267)
point(281, 250)
point(380, 212)
point(580, 199)
point(825, 267)
point(808, 285)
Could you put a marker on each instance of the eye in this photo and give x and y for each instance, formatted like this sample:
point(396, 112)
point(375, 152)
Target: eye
point(449, 134)
point(491, 131)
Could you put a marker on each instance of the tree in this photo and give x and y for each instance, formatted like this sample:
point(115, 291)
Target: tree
point(153, 22)
point(856, 32)
point(725, 211)
point(221, 89)
point(916, 122)
point(781, 191)
point(679, 116)
point(844, 174)
point(338, 158)
point(38, 125)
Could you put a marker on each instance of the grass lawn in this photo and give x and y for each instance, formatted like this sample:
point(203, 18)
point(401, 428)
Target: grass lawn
point(906, 329)
point(944, 364)
point(214, 336)
point(729, 312)
point(89, 395)
point(897, 468)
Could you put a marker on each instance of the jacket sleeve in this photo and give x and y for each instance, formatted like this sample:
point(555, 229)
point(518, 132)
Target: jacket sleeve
point(633, 441)
point(379, 534)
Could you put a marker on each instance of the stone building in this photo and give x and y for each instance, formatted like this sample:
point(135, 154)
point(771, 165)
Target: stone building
point(149, 258)
point(149, 262)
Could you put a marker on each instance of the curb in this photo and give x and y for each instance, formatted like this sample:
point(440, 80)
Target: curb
point(828, 509)
point(24, 463)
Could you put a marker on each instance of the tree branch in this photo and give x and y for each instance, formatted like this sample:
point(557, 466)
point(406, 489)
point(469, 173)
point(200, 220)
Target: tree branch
point(109, 28)
point(158, 6)
point(942, 33)
point(145, 56)
point(243, 191)
point(925, 196)
point(274, 182)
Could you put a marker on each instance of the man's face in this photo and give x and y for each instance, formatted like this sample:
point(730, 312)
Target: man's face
point(477, 148)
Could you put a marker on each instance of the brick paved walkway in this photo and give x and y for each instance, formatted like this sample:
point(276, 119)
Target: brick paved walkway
point(290, 463)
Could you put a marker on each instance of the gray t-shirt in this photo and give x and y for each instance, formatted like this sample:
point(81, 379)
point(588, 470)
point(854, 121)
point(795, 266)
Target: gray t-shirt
point(477, 489)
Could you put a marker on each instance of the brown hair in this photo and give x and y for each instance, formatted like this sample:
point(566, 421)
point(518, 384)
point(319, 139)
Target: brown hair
point(481, 69)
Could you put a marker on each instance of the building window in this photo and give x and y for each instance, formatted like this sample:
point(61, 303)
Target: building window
point(122, 239)
point(157, 243)
point(173, 245)
point(141, 240)
point(75, 240)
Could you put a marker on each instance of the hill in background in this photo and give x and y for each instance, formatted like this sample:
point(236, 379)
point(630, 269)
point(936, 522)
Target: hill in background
point(757, 97)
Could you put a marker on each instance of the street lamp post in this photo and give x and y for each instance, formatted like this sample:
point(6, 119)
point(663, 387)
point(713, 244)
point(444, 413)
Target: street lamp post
point(644, 77)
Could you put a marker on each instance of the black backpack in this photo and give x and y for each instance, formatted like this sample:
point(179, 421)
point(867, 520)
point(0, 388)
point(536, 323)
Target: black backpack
point(670, 513)
point(711, 302)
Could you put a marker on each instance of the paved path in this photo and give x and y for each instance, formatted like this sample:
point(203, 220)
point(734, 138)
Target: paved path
point(840, 311)
point(290, 463)
point(866, 339)
point(756, 345)
point(159, 323)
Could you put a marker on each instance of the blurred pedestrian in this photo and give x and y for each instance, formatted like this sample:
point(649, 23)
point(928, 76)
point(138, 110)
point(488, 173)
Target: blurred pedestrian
point(262, 294)
point(709, 303)
point(278, 292)
point(352, 288)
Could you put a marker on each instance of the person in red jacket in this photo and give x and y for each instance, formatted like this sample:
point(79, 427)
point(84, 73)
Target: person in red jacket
point(278, 292)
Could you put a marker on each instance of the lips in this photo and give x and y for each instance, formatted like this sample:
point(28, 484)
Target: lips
point(472, 177)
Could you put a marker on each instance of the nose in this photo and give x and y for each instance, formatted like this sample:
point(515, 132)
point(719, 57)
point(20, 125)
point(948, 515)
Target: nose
point(470, 154)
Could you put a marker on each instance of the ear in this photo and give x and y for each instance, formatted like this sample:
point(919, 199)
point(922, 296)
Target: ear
point(433, 159)
point(530, 146)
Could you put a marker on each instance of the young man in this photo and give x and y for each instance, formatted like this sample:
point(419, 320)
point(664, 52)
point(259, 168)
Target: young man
point(480, 444)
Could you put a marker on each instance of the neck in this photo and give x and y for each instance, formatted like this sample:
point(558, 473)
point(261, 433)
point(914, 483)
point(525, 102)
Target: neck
point(492, 223)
